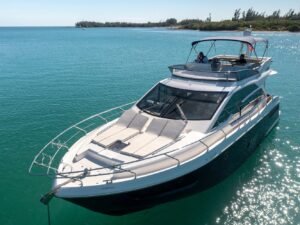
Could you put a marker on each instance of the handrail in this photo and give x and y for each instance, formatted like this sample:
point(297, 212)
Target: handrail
point(119, 167)
point(184, 67)
point(236, 74)
point(240, 109)
point(99, 115)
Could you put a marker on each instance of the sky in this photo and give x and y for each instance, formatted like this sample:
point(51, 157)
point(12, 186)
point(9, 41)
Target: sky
point(68, 12)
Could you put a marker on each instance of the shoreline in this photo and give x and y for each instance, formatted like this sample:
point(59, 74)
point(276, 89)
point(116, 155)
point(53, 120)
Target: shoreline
point(183, 29)
point(284, 23)
point(253, 30)
point(154, 27)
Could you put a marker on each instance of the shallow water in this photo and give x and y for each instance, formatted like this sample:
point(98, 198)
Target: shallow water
point(51, 78)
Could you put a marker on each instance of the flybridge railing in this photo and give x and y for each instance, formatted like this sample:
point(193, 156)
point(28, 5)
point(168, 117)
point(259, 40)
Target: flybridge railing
point(48, 159)
point(226, 75)
point(50, 162)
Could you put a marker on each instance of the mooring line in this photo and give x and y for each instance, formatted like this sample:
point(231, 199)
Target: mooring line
point(48, 211)
point(46, 198)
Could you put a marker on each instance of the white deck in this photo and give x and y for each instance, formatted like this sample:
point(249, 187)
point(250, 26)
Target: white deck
point(158, 162)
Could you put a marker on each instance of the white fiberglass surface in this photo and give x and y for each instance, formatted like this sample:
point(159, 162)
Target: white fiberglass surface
point(199, 85)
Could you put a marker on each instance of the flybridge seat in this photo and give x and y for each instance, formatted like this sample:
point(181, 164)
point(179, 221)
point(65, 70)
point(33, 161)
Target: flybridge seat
point(160, 133)
point(128, 125)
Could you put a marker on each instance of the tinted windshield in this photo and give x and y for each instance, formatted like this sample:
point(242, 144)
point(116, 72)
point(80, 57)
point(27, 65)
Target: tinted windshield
point(166, 102)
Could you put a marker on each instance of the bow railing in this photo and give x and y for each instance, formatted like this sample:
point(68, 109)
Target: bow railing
point(48, 158)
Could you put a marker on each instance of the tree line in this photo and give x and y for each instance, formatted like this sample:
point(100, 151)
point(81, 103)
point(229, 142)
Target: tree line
point(251, 15)
point(86, 24)
point(276, 21)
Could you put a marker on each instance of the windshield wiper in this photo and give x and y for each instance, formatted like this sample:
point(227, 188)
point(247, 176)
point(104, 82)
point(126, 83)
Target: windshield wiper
point(168, 104)
point(181, 112)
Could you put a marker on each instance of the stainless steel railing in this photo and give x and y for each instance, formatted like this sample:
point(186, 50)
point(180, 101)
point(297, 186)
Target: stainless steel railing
point(227, 75)
point(48, 159)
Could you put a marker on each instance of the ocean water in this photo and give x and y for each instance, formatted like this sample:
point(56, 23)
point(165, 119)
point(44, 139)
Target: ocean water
point(51, 78)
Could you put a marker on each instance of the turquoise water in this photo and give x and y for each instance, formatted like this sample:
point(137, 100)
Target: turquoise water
point(51, 78)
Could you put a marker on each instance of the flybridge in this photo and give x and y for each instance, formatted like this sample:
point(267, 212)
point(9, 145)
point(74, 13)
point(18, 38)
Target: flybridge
point(206, 72)
point(241, 64)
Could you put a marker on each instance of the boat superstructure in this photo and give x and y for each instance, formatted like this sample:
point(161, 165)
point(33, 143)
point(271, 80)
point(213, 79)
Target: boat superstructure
point(172, 141)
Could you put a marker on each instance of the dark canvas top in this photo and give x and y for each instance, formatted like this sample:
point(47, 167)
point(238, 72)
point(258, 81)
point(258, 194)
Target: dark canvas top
point(245, 39)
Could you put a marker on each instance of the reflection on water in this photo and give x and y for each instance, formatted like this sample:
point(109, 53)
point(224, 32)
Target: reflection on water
point(272, 194)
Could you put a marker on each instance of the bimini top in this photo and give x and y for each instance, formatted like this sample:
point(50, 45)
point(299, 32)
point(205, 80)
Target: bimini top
point(244, 39)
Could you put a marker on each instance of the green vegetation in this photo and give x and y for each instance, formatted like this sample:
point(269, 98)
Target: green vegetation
point(168, 23)
point(289, 21)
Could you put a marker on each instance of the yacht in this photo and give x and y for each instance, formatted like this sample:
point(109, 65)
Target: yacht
point(192, 128)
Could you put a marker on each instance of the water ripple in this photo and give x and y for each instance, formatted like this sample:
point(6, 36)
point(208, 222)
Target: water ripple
point(271, 197)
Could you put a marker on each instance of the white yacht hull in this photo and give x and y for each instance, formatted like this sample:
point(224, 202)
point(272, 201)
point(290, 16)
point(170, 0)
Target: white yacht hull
point(190, 178)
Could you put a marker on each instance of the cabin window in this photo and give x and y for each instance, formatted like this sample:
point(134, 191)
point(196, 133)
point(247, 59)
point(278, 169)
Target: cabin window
point(239, 100)
point(166, 102)
point(255, 94)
